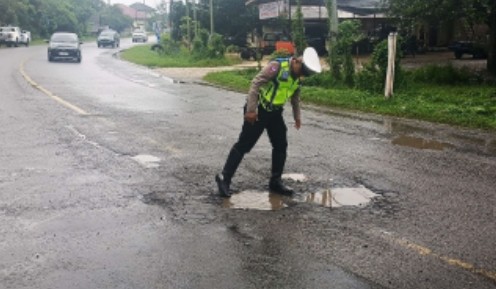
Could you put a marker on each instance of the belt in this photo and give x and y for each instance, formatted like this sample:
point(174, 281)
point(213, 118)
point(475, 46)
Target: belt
point(269, 106)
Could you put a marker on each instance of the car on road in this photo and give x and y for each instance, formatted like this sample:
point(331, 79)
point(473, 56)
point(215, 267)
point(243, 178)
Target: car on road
point(139, 36)
point(10, 36)
point(477, 50)
point(64, 46)
point(25, 37)
point(108, 38)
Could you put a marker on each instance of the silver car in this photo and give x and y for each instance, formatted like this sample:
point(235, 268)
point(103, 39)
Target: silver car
point(139, 36)
point(108, 38)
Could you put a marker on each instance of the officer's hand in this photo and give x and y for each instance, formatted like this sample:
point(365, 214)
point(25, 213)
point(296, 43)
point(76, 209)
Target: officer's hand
point(251, 117)
point(297, 123)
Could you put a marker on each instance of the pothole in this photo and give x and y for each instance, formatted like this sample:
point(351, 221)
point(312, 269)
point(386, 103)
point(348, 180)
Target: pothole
point(330, 198)
point(257, 200)
point(420, 143)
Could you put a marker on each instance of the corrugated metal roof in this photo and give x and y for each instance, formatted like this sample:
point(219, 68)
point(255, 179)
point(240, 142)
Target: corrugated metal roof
point(352, 6)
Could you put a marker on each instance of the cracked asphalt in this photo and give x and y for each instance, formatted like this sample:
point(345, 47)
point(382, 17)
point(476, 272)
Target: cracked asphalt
point(123, 195)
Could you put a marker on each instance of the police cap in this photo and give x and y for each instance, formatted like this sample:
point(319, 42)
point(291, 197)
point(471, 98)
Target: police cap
point(311, 62)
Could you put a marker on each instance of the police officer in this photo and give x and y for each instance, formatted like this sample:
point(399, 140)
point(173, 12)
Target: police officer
point(270, 89)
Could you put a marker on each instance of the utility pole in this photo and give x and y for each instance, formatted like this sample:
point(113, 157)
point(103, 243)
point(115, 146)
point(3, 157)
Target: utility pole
point(195, 19)
point(334, 21)
point(188, 23)
point(289, 18)
point(211, 18)
point(170, 14)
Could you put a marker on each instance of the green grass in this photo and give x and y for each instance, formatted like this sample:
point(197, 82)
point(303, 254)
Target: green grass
point(143, 55)
point(463, 105)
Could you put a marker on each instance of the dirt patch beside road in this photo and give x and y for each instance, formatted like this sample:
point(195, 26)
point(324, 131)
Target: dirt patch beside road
point(443, 58)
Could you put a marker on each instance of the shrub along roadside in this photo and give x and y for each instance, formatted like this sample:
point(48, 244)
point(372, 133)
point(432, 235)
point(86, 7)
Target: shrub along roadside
point(464, 105)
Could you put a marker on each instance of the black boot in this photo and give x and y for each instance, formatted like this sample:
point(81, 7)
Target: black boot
point(275, 184)
point(224, 179)
point(223, 185)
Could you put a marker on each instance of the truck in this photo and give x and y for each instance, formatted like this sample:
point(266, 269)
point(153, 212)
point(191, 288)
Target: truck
point(13, 36)
point(10, 36)
point(266, 45)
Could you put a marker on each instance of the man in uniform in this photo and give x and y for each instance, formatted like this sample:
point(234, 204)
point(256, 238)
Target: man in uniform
point(270, 89)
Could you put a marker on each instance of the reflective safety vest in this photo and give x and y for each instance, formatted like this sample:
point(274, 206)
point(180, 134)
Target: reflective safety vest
point(281, 88)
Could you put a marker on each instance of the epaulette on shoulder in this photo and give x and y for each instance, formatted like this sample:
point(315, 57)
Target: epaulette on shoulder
point(281, 59)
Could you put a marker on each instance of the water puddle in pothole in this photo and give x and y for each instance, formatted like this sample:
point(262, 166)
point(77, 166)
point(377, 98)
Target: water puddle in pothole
point(148, 161)
point(257, 200)
point(331, 198)
point(420, 143)
point(339, 197)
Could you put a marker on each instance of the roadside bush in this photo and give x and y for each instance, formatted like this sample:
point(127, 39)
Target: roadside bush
point(168, 46)
point(198, 50)
point(233, 49)
point(349, 70)
point(373, 77)
point(369, 79)
point(205, 47)
point(324, 80)
point(216, 47)
point(448, 74)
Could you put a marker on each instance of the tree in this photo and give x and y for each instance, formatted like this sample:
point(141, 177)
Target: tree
point(14, 12)
point(412, 12)
point(332, 22)
point(299, 30)
point(84, 10)
point(113, 17)
point(178, 11)
point(241, 19)
point(42, 17)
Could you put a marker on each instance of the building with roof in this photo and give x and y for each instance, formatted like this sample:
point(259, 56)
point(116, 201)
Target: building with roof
point(139, 12)
point(375, 23)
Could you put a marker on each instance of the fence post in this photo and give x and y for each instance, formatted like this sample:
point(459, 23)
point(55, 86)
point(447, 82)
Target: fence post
point(388, 91)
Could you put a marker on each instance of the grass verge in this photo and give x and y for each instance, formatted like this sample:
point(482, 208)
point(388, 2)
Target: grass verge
point(464, 105)
point(144, 55)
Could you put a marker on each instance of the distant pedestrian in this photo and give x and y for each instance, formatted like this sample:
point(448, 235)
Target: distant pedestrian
point(270, 89)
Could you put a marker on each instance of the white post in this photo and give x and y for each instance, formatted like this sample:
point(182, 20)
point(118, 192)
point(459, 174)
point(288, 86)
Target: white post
point(388, 91)
point(211, 18)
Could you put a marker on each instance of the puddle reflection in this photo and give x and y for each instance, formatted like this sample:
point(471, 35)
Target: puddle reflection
point(339, 197)
point(334, 198)
point(257, 200)
point(420, 143)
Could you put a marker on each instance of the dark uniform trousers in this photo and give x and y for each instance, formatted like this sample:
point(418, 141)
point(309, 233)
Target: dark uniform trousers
point(273, 122)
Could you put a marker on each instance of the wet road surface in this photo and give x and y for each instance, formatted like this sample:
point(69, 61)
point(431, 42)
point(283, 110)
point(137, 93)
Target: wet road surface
point(107, 182)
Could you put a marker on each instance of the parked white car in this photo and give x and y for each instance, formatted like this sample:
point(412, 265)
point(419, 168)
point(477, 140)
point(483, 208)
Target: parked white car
point(25, 37)
point(10, 35)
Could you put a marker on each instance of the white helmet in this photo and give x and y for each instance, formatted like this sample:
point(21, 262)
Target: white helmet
point(311, 62)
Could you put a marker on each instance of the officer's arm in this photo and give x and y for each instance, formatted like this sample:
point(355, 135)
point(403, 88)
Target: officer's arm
point(266, 75)
point(295, 103)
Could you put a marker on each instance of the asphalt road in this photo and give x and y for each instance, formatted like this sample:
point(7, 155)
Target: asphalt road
point(107, 181)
